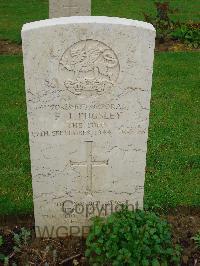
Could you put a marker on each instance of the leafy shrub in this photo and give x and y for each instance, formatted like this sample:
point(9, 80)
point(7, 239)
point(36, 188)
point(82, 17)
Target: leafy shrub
point(131, 238)
point(162, 21)
point(21, 239)
point(166, 28)
point(189, 34)
point(196, 239)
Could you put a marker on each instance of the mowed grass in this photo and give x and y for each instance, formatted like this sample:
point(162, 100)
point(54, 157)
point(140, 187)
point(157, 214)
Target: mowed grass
point(173, 174)
point(173, 161)
point(15, 177)
point(14, 13)
point(187, 10)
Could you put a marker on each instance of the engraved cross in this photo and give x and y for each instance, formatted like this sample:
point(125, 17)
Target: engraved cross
point(71, 8)
point(90, 163)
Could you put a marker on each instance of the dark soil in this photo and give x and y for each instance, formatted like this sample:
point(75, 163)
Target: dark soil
point(172, 45)
point(70, 251)
point(184, 228)
point(8, 48)
point(65, 251)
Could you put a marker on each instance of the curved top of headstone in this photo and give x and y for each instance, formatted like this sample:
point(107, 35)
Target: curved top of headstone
point(87, 19)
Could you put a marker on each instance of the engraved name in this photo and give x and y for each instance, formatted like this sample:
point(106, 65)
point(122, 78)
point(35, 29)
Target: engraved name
point(106, 116)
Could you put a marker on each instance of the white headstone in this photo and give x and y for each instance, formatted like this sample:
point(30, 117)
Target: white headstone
point(88, 87)
point(67, 8)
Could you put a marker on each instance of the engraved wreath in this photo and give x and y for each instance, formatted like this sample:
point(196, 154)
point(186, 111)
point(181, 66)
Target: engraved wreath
point(89, 66)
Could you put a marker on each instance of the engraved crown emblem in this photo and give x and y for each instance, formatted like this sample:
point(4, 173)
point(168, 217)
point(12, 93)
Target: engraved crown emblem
point(89, 67)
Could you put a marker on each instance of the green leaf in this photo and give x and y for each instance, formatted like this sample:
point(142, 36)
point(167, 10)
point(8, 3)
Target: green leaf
point(145, 262)
point(98, 251)
point(164, 263)
point(155, 262)
point(87, 253)
point(2, 257)
point(1, 240)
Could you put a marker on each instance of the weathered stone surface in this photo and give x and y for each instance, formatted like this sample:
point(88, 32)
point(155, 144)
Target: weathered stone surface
point(67, 8)
point(88, 87)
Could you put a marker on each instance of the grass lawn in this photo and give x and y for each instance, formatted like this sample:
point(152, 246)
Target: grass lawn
point(14, 13)
point(15, 177)
point(173, 150)
point(173, 161)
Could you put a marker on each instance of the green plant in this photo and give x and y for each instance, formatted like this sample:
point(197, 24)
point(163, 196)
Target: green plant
point(1, 244)
point(15, 14)
point(21, 239)
point(131, 238)
point(3, 258)
point(196, 239)
point(188, 33)
point(162, 21)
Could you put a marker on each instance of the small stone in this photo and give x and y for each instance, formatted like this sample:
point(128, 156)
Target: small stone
point(75, 262)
